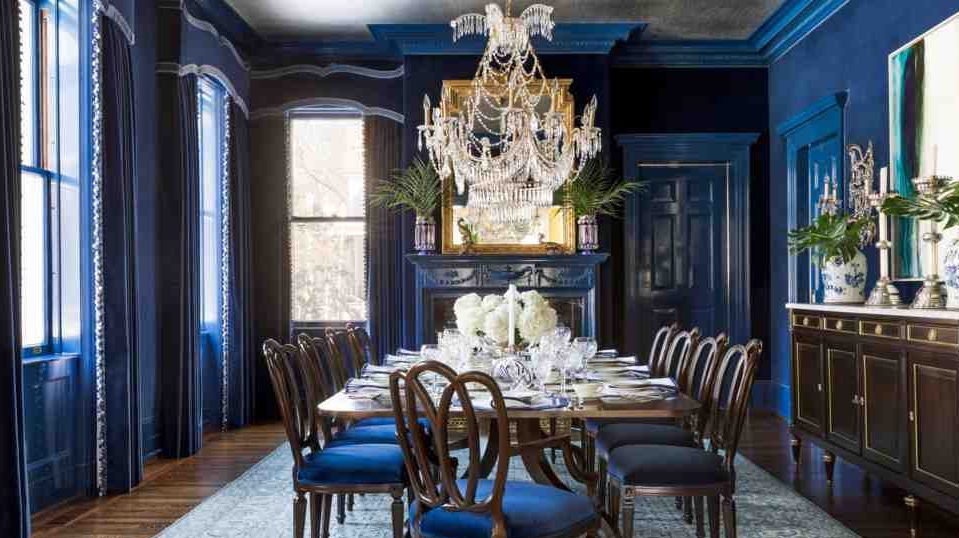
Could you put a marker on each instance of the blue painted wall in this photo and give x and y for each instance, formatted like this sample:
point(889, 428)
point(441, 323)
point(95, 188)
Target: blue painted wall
point(847, 52)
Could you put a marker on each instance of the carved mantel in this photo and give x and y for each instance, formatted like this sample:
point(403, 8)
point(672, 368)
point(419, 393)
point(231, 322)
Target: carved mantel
point(568, 281)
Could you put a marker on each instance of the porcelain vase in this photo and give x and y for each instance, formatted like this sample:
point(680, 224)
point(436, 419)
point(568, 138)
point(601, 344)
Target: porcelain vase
point(844, 282)
point(950, 273)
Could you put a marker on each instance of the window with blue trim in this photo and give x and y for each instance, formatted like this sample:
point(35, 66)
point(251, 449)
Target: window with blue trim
point(50, 176)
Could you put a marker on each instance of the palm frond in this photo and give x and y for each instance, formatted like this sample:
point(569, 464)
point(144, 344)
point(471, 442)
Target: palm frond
point(417, 187)
point(943, 207)
point(596, 191)
point(829, 236)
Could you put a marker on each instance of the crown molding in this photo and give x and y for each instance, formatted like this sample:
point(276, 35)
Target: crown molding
point(774, 38)
point(229, 24)
point(568, 38)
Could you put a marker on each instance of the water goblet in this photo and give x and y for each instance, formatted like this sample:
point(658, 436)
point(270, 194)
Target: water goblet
point(586, 346)
point(542, 360)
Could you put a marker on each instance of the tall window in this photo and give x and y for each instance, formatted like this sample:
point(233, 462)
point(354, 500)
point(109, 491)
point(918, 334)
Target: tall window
point(212, 138)
point(327, 217)
point(49, 171)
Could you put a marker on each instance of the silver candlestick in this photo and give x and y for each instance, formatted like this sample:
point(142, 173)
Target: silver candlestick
point(932, 295)
point(883, 293)
point(864, 201)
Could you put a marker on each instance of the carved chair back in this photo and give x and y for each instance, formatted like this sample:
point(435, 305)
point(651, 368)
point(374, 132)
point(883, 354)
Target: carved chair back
point(336, 359)
point(700, 373)
point(292, 397)
point(340, 342)
point(657, 351)
point(411, 401)
point(731, 389)
point(318, 385)
point(677, 353)
point(362, 347)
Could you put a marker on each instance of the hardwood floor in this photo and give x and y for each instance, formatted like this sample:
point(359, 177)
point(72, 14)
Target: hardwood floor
point(170, 489)
point(865, 504)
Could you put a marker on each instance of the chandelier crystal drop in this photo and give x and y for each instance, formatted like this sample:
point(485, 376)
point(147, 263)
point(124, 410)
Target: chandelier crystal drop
point(511, 147)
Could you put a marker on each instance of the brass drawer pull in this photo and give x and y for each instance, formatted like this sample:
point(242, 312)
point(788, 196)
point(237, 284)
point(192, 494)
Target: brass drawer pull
point(805, 321)
point(878, 330)
point(932, 335)
point(839, 325)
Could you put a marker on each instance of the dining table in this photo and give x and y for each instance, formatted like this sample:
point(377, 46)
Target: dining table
point(534, 438)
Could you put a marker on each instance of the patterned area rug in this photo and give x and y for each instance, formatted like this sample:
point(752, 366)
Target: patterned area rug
point(259, 505)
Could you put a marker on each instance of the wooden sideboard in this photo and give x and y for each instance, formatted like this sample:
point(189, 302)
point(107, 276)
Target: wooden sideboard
point(879, 387)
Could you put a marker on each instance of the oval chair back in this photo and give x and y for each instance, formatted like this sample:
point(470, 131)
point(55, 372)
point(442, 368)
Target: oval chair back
point(731, 389)
point(677, 352)
point(411, 402)
point(332, 365)
point(291, 396)
point(340, 342)
point(337, 355)
point(310, 346)
point(700, 373)
point(657, 351)
point(362, 347)
point(318, 385)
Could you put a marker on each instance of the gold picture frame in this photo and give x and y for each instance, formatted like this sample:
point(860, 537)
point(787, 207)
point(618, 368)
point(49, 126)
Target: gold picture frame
point(557, 224)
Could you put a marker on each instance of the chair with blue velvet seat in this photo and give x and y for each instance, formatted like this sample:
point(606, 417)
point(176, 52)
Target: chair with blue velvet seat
point(342, 350)
point(696, 382)
point(445, 506)
point(321, 468)
point(683, 471)
point(362, 345)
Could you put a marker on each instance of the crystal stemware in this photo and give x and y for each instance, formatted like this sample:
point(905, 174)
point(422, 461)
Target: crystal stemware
point(585, 346)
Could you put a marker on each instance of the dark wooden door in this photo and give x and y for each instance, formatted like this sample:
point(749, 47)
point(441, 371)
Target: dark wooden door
point(884, 438)
point(934, 420)
point(808, 379)
point(681, 237)
point(842, 394)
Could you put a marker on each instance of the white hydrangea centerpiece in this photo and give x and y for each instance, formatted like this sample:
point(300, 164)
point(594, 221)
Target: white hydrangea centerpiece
point(489, 316)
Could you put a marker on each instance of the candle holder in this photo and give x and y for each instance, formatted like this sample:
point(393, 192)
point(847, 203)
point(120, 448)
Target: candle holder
point(864, 202)
point(883, 293)
point(932, 295)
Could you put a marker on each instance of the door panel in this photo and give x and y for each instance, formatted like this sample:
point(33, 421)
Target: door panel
point(680, 235)
point(884, 409)
point(934, 394)
point(842, 395)
point(808, 379)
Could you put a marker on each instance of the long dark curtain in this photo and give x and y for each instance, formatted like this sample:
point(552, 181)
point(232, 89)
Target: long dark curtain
point(243, 352)
point(383, 150)
point(124, 466)
point(14, 504)
point(178, 267)
point(271, 252)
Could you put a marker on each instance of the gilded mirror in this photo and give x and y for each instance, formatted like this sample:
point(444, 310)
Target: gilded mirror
point(553, 229)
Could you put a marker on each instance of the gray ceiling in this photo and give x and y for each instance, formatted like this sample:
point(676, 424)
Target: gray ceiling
point(347, 19)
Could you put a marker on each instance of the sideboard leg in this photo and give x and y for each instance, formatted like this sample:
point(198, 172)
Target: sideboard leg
point(912, 504)
point(829, 459)
point(796, 445)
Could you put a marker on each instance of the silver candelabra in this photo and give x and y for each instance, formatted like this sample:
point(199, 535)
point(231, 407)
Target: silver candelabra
point(932, 295)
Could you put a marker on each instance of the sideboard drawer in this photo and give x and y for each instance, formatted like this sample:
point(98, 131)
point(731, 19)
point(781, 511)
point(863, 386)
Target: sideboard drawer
point(930, 334)
point(808, 321)
point(841, 325)
point(880, 329)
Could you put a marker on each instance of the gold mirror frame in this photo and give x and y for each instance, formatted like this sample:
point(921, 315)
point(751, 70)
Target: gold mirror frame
point(455, 92)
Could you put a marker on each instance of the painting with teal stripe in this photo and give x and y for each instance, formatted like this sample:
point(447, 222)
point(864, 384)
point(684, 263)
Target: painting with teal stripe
point(924, 126)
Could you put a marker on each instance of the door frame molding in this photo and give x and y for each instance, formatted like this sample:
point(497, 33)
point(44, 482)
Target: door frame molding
point(687, 148)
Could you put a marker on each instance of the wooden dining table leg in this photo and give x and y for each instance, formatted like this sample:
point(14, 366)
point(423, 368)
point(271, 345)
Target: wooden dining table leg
point(528, 432)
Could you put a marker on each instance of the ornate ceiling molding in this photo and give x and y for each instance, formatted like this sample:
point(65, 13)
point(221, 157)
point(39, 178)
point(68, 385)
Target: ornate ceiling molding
point(324, 71)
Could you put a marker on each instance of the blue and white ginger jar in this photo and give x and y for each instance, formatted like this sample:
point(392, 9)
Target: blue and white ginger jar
point(950, 273)
point(844, 282)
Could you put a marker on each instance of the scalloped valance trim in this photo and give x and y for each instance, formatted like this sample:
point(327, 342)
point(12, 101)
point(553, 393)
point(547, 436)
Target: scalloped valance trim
point(111, 12)
point(208, 27)
point(172, 68)
point(323, 71)
point(331, 101)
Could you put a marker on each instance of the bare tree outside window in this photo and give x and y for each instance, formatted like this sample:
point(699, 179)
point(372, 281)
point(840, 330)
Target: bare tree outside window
point(327, 221)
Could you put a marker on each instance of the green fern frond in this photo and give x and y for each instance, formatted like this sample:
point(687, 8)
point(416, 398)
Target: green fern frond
point(417, 188)
point(596, 191)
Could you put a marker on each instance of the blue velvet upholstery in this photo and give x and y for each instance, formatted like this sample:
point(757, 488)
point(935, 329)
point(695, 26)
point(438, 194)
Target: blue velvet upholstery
point(593, 425)
point(383, 434)
point(380, 421)
point(531, 511)
point(354, 464)
point(658, 465)
point(621, 434)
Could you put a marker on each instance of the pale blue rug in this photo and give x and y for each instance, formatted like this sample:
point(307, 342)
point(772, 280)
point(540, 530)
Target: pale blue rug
point(259, 505)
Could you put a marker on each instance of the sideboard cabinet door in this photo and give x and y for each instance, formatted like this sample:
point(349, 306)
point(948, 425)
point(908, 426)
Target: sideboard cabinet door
point(934, 421)
point(808, 382)
point(884, 436)
point(842, 395)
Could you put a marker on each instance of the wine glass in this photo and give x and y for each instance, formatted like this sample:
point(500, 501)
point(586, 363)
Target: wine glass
point(431, 352)
point(586, 346)
point(542, 360)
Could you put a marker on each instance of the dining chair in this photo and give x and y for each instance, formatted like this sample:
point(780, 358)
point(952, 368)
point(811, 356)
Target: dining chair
point(444, 506)
point(362, 346)
point(676, 354)
point(687, 471)
point(697, 383)
point(340, 342)
point(323, 470)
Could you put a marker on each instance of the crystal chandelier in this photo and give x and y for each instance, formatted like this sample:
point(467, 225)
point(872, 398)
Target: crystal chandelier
point(513, 149)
